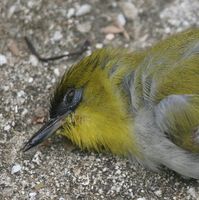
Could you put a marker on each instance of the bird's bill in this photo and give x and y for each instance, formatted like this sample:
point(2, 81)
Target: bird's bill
point(46, 131)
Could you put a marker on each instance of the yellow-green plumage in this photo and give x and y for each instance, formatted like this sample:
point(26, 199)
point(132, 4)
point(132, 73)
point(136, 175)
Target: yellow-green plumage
point(103, 119)
point(142, 104)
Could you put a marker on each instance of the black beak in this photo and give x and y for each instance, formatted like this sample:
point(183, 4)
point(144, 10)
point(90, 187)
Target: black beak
point(46, 131)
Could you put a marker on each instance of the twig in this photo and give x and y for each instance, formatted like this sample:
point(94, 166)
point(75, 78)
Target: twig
point(82, 49)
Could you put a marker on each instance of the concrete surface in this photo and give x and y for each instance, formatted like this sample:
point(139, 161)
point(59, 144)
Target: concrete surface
point(57, 169)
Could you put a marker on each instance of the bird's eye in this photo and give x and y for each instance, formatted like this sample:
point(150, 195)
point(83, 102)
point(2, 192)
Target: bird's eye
point(69, 96)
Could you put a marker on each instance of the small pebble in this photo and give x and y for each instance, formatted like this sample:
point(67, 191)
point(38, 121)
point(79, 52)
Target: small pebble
point(53, 80)
point(30, 4)
point(39, 112)
point(99, 46)
point(57, 36)
point(110, 36)
point(84, 27)
point(88, 52)
point(12, 46)
point(3, 60)
point(56, 72)
point(129, 10)
point(6, 88)
point(16, 168)
point(100, 191)
point(114, 4)
point(121, 20)
point(24, 112)
point(21, 93)
point(85, 180)
point(32, 195)
point(13, 123)
point(118, 172)
point(141, 198)
point(30, 80)
point(192, 192)
point(158, 193)
point(83, 10)
point(37, 158)
point(7, 127)
point(13, 9)
point(33, 60)
point(16, 109)
point(71, 13)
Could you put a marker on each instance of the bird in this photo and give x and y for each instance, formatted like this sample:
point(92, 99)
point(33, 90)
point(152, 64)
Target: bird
point(142, 105)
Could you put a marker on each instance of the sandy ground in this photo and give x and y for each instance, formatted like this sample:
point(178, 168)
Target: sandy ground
point(57, 169)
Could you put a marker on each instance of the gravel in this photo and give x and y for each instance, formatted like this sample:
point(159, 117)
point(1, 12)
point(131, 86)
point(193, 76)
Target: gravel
point(3, 60)
point(57, 169)
point(83, 10)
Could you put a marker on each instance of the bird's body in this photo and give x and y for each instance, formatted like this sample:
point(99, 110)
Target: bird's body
point(143, 104)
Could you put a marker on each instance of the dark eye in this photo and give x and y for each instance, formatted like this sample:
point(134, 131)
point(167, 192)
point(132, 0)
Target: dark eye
point(69, 96)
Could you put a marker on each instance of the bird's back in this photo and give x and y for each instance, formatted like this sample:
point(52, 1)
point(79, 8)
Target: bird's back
point(165, 97)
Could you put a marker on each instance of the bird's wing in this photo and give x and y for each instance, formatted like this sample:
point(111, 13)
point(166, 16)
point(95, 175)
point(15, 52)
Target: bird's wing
point(178, 117)
point(168, 81)
point(170, 67)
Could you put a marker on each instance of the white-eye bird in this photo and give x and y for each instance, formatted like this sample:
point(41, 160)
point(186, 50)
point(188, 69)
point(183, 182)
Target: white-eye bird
point(142, 105)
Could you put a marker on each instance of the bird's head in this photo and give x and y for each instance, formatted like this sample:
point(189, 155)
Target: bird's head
point(91, 105)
